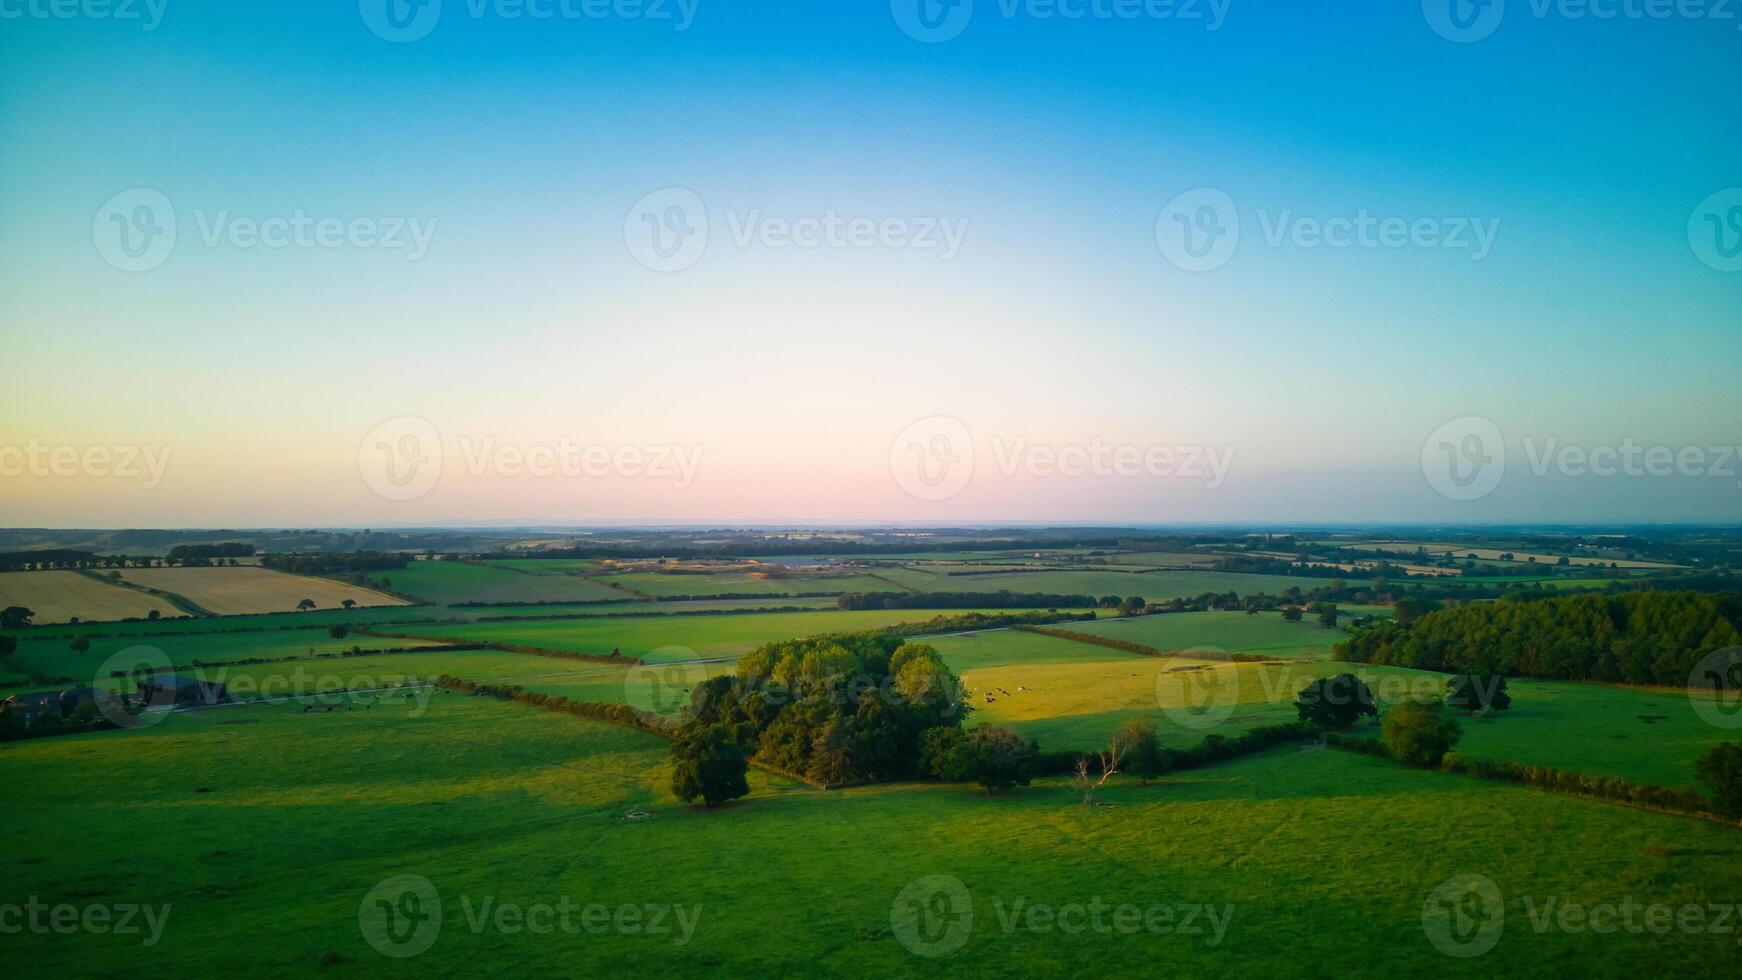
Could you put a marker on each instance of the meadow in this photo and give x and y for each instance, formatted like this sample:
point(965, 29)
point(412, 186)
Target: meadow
point(61, 596)
point(54, 658)
point(1296, 852)
point(743, 583)
point(1266, 633)
point(1150, 585)
point(671, 638)
point(447, 582)
point(250, 589)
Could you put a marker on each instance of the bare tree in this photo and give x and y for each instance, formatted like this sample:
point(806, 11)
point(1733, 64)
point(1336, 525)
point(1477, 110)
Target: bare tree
point(1109, 764)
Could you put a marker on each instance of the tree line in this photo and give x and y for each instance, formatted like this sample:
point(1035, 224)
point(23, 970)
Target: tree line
point(1627, 638)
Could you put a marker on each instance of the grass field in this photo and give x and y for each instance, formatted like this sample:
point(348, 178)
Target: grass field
point(264, 621)
point(247, 589)
point(1151, 585)
point(1231, 632)
point(672, 638)
point(733, 583)
point(450, 581)
point(1296, 851)
point(58, 596)
point(53, 657)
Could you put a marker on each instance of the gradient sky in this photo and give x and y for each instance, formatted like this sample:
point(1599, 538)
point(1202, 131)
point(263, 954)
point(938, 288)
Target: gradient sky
point(529, 320)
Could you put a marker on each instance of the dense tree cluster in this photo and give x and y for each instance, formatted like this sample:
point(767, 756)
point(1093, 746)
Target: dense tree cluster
point(995, 758)
point(834, 709)
point(1631, 638)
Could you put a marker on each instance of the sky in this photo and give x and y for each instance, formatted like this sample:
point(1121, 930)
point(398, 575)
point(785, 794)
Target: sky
point(365, 264)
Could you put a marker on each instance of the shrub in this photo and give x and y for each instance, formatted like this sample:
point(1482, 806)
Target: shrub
point(1416, 734)
point(1721, 770)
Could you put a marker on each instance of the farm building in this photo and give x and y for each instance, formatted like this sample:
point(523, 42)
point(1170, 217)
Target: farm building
point(179, 690)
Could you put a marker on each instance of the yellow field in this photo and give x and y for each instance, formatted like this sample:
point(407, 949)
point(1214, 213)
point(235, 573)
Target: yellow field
point(59, 597)
point(243, 590)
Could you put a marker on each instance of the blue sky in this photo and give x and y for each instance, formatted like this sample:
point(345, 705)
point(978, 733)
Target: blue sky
point(524, 145)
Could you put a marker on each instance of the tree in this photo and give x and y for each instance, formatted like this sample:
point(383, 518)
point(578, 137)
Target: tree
point(1292, 614)
point(709, 762)
point(79, 644)
point(1110, 602)
point(1478, 694)
point(305, 605)
point(1142, 750)
point(338, 631)
point(1131, 605)
point(1410, 608)
point(1328, 617)
point(349, 603)
point(15, 617)
point(1335, 703)
point(1417, 734)
point(935, 747)
point(1721, 770)
point(996, 758)
point(153, 614)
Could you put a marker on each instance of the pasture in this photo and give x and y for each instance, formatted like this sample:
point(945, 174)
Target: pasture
point(743, 583)
point(250, 589)
point(447, 582)
point(52, 656)
point(61, 596)
point(671, 638)
point(503, 803)
point(1150, 585)
point(1266, 633)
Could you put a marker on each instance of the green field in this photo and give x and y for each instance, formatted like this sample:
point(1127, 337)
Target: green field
point(672, 638)
point(449, 582)
point(53, 657)
point(261, 622)
point(1231, 632)
point(642, 607)
point(743, 583)
point(1150, 585)
point(1297, 852)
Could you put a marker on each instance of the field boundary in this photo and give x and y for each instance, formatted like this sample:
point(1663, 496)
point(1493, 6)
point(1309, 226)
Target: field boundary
point(1558, 782)
point(604, 711)
point(1148, 651)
